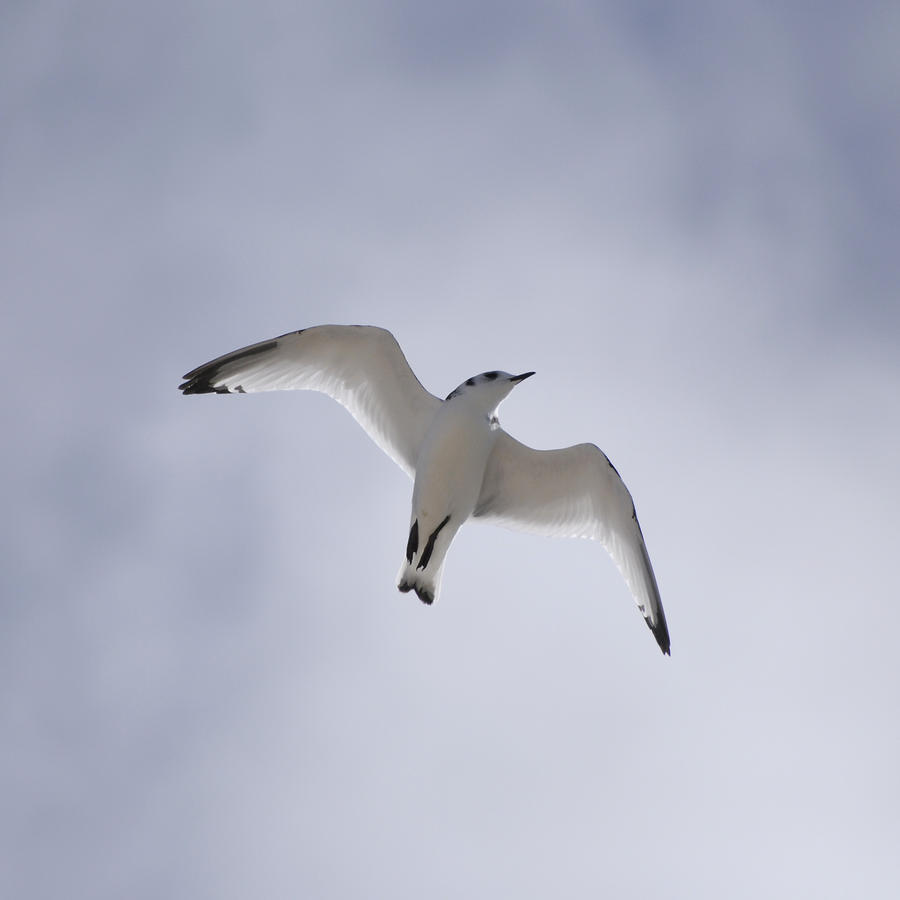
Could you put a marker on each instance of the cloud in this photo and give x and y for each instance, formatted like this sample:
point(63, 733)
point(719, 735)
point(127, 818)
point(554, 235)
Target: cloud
point(683, 223)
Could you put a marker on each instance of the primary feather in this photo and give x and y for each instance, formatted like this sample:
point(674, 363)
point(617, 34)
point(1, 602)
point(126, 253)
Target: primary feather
point(575, 492)
point(360, 366)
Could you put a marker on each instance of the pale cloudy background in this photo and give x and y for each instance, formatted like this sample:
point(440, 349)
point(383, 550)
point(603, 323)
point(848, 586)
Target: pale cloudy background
point(685, 217)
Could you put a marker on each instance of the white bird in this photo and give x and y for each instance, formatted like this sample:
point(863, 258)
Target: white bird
point(463, 463)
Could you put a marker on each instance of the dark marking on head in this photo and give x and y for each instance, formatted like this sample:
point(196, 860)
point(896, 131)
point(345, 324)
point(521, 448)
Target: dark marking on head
point(457, 391)
point(429, 546)
point(491, 375)
point(200, 380)
point(412, 545)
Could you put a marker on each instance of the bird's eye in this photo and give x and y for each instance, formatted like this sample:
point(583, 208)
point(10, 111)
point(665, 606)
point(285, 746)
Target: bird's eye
point(491, 375)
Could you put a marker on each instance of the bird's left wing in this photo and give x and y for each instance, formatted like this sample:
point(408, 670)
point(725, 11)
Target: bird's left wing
point(360, 366)
point(574, 492)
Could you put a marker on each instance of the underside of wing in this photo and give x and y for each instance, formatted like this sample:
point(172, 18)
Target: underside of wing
point(575, 492)
point(360, 366)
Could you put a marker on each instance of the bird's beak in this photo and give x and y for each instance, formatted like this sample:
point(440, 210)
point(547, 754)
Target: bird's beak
point(522, 377)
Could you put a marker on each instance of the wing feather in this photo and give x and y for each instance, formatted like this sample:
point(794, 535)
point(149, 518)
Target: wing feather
point(575, 492)
point(360, 366)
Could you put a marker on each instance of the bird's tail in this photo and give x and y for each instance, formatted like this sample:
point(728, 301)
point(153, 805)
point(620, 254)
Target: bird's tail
point(421, 570)
point(427, 585)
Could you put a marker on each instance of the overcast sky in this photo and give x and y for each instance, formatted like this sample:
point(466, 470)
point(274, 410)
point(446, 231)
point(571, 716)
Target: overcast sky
point(686, 220)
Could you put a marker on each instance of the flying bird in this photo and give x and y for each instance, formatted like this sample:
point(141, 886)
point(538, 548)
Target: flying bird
point(463, 464)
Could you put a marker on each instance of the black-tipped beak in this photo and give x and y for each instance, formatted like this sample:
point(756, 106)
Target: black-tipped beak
point(521, 377)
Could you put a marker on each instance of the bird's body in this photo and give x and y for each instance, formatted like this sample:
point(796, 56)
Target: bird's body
point(450, 471)
point(463, 464)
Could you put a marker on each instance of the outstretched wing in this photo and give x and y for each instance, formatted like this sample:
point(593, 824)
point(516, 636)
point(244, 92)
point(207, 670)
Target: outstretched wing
point(574, 492)
point(360, 366)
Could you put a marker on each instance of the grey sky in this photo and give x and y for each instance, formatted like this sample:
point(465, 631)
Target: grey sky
point(686, 222)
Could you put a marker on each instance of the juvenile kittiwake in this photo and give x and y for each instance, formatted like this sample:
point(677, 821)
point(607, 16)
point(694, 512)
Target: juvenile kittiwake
point(464, 465)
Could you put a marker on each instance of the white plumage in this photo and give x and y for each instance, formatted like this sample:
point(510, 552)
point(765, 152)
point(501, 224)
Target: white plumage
point(464, 465)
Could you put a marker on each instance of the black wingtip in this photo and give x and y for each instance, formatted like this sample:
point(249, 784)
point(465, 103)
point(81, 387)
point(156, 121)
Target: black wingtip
point(200, 380)
point(661, 633)
point(202, 384)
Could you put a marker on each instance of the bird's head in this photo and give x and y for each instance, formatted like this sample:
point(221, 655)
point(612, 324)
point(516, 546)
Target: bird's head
point(488, 389)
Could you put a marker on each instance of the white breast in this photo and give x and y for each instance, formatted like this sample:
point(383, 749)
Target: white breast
point(451, 464)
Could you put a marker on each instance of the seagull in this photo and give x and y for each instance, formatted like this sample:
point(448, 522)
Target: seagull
point(463, 464)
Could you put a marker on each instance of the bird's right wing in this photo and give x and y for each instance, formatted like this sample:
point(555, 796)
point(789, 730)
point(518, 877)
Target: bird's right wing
point(575, 492)
point(360, 366)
